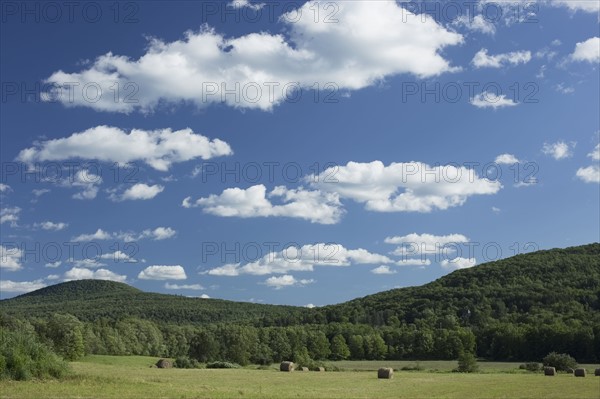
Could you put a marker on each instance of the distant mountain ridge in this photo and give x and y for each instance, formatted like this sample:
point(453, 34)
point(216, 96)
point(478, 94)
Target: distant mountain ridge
point(559, 283)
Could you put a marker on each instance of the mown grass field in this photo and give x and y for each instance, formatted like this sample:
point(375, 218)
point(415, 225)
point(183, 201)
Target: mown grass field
point(132, 377)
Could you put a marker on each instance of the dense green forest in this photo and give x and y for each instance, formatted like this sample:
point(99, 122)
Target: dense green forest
point(519, 308)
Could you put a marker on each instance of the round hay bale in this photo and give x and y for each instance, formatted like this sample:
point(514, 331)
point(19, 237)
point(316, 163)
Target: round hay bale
point(320, 369)
point(286, 366)
point(164, 364)
point(549, 371)
point(580, 372)
point(385, 373)
point(597, 373)
point(303, 368)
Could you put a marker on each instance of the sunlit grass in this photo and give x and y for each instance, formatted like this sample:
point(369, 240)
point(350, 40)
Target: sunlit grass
point(133, 377)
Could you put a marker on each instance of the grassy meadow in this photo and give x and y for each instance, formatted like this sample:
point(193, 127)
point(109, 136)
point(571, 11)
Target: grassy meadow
point(133, 377)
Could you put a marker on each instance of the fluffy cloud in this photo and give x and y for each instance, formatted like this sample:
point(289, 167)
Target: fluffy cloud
point(88, 263)
point(170, 286)
point(163, 273)
point(318, 207)
point(588, 50)
point(404, 187)
point(245, 3)
point(51, 226)
point(458, 263)
point(159, 233)
point(483, 60)
point(10, 215)
point(383, 269)
point(303, 258)
point(77, 273)
point(10, 258)
point(4, 188)
point(21, 286)
point(559, 150)
point(118, 256)
point(54, 265)
point(140, 191)
point(506, 159)
point(477, 24)
point(589, 174)
point(204, 296)
point(423, 244)
point(286, 281)
point(492, 100)
point(578, 5)
point(99, 235)
point(159, 148)
point(412, 261)
point(84, 180)
point(595, 154)
point(199, 68)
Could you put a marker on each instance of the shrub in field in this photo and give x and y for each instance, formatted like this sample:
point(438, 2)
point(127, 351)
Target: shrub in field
point(23, 357)
point(222, 365)
point(467, 363)
point(561, 361)
point(186, 363)
point(531, 366)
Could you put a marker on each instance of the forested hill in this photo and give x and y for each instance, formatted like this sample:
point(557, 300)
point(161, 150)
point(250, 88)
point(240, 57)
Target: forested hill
point(519, 308)
point(94, 299)
point(549, 286)
point(543, 286)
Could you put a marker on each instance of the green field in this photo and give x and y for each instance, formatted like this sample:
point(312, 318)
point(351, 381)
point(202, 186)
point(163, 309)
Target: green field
point(133, 377)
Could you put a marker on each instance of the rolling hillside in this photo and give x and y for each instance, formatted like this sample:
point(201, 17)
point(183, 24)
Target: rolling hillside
point(519, 308)
point(93, 299)
point(551, 285)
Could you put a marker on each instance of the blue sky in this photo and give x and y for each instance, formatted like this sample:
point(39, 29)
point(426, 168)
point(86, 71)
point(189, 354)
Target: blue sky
point(409, 141)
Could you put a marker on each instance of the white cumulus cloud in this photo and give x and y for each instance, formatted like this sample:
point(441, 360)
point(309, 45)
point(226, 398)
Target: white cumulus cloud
point(477, 23)
point(559, 150)
point(421, 245)
point(315, 206)
point(286, 281)
point(159, 272)
point(383, 269)
point(458, 263)
point(245, 3)
point(141, 191)
point(118, 256)
point(590, 6)
point(506, 159)
point(595, 154)
point(10, 215)
point(10, 258)
point(589, 174)
point(157, 234)
point(303, 258)
point(78, 273)
point(588, 50)
point(369, 41)
point(21, 286)
point(492, 100)
point(159, 148)
point(483, 60)
point(51, 226)
point(404, 187)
